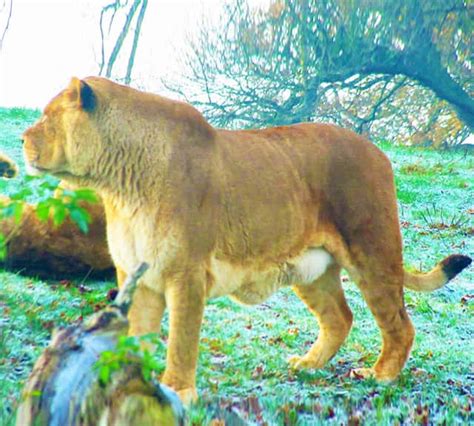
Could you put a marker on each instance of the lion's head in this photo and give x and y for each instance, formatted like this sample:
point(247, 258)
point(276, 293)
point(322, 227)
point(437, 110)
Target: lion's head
point(56, 144)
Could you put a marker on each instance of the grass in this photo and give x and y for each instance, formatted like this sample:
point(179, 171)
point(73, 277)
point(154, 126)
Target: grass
point(243, 365)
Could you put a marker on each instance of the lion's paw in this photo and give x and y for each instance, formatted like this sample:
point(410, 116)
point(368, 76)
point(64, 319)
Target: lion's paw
point(362, 373)
point(304, 362)
point(187, 396)
point(369, 373)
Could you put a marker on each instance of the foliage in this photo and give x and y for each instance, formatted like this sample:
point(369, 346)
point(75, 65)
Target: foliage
point(360, 64)
point(58, 208)
point(54, 204)
point(130, 349)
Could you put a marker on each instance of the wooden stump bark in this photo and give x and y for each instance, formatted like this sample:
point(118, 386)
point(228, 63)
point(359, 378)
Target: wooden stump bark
point(64, 387)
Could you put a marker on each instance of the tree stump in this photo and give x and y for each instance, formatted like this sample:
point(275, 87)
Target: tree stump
point(65, 387)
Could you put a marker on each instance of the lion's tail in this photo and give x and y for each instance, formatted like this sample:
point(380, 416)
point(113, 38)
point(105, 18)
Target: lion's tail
point(443, 272)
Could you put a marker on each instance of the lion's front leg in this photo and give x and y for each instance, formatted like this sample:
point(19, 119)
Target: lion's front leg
point(146, 312)
point(185, 298)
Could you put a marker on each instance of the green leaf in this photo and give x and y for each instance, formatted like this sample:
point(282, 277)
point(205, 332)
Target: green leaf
point(104, 374)
point(13, 209)
point(86, 194)
point(7, 210)
point(49, 183)
point(81, 217)
point(42, 210)
point(115, 365)
point(59, 213)
point(22, 194)
point(18, 211)
point(146, 372)
point(3, 247)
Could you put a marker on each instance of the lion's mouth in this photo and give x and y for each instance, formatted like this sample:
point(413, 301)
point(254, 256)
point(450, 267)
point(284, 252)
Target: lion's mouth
point(32, 169)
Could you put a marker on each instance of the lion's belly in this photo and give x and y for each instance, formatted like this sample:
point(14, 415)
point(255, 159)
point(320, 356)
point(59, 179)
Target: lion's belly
point(132, 242)
point(252, 285)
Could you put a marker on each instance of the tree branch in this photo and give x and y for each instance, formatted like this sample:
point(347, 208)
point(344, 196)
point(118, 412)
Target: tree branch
point(7, 24)
point(121, 38)
point(136, 36)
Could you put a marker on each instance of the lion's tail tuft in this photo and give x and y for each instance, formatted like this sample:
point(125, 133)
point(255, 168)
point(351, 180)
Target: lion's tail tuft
point(443, 272)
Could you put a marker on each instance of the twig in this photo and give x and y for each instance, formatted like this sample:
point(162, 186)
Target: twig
point(136, 36)
point(121, 38)
point(125, 296)
point(6, 25)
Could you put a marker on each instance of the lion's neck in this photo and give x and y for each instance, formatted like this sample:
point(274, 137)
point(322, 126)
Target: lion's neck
point(137, 151)
point(128, 174)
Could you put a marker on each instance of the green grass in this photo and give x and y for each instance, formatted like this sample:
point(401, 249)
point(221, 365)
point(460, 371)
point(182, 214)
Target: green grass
point(244, 349)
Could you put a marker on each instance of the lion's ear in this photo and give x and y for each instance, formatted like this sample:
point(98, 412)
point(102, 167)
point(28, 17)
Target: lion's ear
point(82, 94)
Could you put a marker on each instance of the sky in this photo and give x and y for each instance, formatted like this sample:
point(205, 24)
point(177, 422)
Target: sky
point(49, 41)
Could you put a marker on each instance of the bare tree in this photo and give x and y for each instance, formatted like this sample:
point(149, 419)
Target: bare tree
point(108, 16)
point(296, 59)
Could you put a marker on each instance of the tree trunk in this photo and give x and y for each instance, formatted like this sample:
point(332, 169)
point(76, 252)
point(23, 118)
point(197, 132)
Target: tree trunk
point(436, 77)
point(424, 65)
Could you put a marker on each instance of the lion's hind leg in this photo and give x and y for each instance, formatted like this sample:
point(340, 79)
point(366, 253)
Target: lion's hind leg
point(383, 292)
point(325, 299)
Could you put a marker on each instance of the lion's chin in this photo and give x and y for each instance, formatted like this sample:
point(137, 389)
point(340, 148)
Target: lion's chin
point(33, 171)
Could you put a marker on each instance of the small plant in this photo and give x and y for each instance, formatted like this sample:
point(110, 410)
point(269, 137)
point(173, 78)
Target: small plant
point(55, 204)
point(67, 204)
point(414, 168)
point(435, 218)
point(130, 349)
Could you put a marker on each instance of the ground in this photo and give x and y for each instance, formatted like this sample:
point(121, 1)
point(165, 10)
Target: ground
point(244, 350)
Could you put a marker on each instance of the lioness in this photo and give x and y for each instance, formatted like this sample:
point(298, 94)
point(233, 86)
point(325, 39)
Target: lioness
point(241, 213)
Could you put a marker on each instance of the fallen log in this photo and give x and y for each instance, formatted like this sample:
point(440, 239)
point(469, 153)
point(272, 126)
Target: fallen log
point(66, 386)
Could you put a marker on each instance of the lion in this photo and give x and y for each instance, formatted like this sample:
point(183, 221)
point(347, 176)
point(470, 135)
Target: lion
point(43, 249)
point(235, 212)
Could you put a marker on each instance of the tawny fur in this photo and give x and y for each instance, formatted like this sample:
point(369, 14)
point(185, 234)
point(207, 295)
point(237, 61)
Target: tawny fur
point(41, 248)
point(194, 201)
